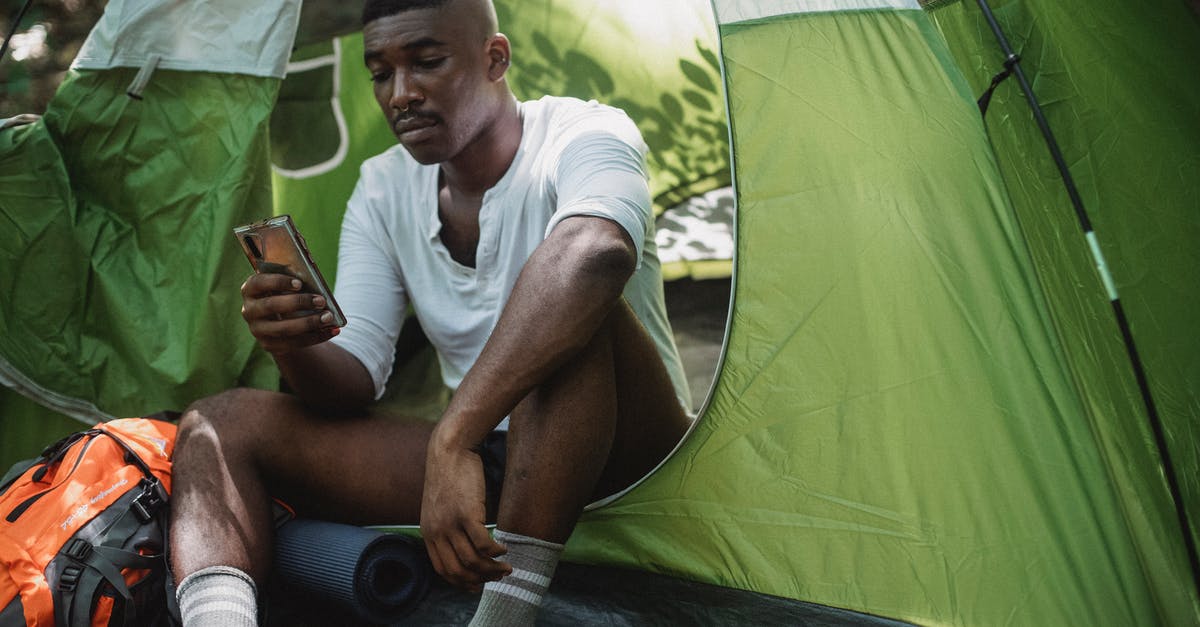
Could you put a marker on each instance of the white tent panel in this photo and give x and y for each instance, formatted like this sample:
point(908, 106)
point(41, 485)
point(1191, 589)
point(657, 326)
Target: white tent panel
point(733, 11)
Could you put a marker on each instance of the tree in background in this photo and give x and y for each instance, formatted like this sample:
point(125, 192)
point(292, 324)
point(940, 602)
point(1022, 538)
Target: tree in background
point(52, 31)
point(45, 43)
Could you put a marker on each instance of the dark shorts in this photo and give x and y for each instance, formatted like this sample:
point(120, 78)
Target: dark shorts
point(494, 453)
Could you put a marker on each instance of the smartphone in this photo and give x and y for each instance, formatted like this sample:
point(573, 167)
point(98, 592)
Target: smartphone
point(275, 246)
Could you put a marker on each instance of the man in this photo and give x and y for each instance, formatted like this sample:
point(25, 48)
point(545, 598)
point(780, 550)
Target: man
point(513, 230)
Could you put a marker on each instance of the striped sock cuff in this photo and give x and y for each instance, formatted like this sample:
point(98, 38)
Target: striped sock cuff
point(218, 596)
point(522, 585)
point(515, 599)
point(506, 538)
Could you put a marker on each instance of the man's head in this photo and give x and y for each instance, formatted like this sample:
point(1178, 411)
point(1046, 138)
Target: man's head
point(438, 71)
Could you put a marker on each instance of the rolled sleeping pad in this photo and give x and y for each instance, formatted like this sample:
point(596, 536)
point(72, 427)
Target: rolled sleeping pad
point(378, 577)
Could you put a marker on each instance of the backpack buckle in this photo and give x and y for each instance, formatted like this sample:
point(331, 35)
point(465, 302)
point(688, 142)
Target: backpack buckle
point(146, 505)
point(78, 549)
point(69, 578)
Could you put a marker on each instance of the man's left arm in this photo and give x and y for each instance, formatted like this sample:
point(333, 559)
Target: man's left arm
point(570, 283)
point(563, 294)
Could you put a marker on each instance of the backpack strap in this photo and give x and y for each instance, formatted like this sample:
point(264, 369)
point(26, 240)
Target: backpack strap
point(49, 456)
point(90, 565)
point(131, 456)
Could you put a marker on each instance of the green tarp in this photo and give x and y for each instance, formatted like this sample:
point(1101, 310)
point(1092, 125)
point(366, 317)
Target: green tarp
point(118, 283)
point(120, 286)
point(1114, 83)
point(924, 411)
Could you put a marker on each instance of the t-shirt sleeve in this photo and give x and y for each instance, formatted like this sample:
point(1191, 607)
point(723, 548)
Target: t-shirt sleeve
point(369, 289)
point(601, 172)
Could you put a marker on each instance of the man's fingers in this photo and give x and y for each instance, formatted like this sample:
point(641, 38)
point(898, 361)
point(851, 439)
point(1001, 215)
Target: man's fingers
point(283, 306)
point(289, 328)
point(481, 565)
point(259, 285)
point(484, 544)
point(471, 561)
point(434, 558)
point(452, 569)
point(456, 558)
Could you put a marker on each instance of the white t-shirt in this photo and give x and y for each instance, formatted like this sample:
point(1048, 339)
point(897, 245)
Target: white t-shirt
point(575, 159)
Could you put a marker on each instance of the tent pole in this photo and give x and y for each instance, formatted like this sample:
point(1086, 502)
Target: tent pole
point(1012, 62)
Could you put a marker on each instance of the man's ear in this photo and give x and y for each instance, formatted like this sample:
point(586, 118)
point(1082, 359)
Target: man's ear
point(499, 55)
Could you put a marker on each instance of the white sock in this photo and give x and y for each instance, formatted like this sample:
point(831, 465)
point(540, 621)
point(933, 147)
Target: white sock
point(218, 596)
point(515, 599)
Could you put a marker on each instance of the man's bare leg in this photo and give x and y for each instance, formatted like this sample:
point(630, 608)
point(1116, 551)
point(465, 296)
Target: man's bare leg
point(601, 422)
point(237, 448)
point(604, 420)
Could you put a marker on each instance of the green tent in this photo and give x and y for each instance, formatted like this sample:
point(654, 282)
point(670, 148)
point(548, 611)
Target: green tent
point(925, 410)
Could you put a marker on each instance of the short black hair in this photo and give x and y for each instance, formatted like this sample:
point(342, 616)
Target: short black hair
point(375, 9)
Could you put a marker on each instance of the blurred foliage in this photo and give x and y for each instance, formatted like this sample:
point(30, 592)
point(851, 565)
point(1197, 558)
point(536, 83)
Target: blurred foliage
point(26, 86)
point(672, 89)
point(685, 127)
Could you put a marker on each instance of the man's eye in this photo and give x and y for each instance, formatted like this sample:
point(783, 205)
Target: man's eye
point(430, 63)
point(379, 77)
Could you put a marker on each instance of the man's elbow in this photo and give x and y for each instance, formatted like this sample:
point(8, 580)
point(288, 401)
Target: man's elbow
point(612, 259)
point(602, 249)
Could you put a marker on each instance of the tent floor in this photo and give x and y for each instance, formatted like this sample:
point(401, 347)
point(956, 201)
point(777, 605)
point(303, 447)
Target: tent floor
point(591, 595)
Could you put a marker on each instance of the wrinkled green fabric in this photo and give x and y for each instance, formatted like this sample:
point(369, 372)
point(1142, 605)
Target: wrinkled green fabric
point(898, 427)
point(924, 412)
point(119, 273)
point(1116, 82)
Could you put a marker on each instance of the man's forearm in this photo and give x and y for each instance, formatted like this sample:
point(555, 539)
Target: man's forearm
point(561, 297)
point(327, 377)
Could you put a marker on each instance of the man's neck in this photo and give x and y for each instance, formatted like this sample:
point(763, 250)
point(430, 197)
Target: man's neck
point(483, 163)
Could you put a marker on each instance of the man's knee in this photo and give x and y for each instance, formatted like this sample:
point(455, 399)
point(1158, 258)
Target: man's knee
point(224, 420)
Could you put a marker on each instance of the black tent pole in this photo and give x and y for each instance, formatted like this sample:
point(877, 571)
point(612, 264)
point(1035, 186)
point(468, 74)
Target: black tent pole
point(1012, 63)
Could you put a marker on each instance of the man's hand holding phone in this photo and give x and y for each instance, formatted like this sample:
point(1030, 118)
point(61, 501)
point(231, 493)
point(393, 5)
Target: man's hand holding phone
point(283, 317)
point(286, 302)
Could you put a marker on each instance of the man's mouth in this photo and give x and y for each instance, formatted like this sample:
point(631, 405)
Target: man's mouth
point(409, 126)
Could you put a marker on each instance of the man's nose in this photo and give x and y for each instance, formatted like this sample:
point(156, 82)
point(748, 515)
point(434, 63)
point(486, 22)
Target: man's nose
point(404, 92)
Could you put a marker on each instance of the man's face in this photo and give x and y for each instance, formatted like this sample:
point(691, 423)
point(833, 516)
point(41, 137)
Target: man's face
point(436, 67)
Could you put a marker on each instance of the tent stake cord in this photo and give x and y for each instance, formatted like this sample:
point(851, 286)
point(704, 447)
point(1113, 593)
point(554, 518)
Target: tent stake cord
point(1013, 63)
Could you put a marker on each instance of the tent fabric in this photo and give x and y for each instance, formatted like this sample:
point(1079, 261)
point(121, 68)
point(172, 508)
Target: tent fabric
point(229, 36)
point(924, 411)
point(897, 427)
point(1125, 114)
point(126, 215)
point(735, 11)
point(119, 279)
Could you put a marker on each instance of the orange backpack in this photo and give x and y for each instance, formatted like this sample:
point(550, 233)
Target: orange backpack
point(83, 530)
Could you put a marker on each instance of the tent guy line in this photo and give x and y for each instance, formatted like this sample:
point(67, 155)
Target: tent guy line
point(1012, 64)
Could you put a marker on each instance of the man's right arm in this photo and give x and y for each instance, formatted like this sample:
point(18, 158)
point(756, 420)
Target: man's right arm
point(319, 372)
point(327, 377)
